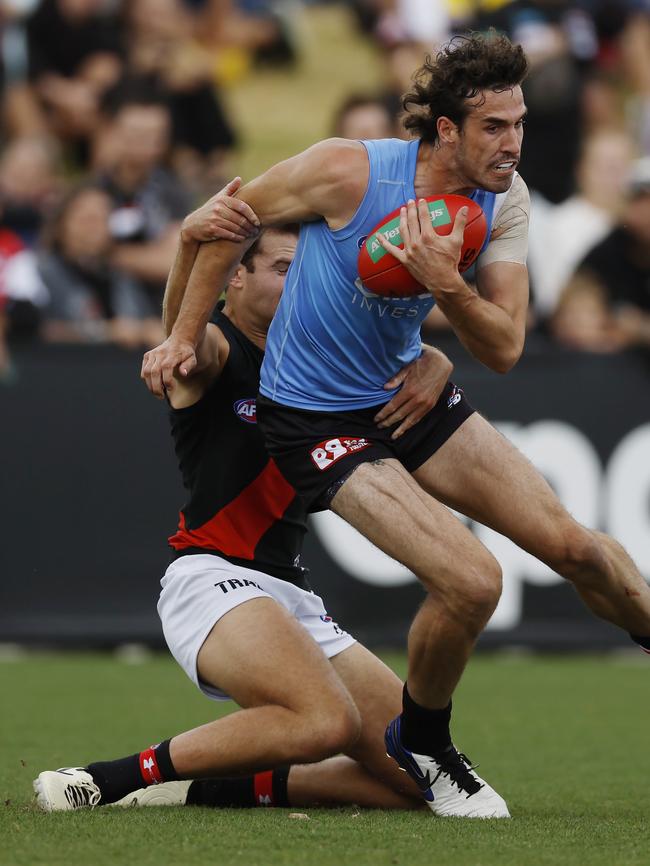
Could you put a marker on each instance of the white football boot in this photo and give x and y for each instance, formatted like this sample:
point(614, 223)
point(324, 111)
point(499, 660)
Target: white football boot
point(448, 783)
point(164, 794)
point(66, 789)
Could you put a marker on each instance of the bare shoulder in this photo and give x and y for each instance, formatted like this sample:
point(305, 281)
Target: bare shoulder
point(342, 169)
point(327, 180)
point(336, 160)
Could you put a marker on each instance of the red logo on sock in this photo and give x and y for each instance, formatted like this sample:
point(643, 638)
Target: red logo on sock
point(149, 769)
point(264, 788)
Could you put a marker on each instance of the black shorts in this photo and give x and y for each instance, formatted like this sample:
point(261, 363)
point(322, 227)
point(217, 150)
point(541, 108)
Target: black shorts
point(316, 451)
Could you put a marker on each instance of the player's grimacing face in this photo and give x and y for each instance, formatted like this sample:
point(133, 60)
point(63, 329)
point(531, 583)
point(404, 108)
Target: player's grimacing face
point(489, 143)
point(263, 286)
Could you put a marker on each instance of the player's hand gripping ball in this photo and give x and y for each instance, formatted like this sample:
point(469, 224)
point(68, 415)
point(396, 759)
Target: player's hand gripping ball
point(384, 275)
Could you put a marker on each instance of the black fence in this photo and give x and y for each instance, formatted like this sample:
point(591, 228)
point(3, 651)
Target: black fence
point(90, 492)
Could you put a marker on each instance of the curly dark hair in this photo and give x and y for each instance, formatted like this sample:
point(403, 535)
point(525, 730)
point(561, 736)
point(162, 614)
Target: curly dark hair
point(464, 66)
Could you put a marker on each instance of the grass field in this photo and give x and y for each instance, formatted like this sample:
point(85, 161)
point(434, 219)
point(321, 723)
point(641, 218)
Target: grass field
point(564, 739)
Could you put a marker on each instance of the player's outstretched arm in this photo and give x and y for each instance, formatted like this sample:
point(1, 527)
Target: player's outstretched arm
point(222, 216)
point(328, 180)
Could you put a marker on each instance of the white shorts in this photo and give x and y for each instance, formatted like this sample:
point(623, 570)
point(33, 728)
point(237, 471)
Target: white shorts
point(198, 589)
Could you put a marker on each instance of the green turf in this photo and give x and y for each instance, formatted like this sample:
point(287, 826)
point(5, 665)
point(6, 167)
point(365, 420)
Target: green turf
point(562, 738)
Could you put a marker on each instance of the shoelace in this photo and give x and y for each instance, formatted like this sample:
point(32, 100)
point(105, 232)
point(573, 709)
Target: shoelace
point(82, 794)
point(458, 768)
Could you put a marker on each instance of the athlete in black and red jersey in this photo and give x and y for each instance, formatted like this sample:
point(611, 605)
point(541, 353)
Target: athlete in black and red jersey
point(235, 605)
point(240, 506)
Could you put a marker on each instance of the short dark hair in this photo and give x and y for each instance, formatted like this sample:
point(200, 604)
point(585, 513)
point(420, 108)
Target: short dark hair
point(252, 251)
point(461, 69)
point(141, 90)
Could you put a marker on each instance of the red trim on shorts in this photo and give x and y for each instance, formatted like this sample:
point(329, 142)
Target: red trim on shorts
point(236, 530)
point(149, 769)
point(264, 788)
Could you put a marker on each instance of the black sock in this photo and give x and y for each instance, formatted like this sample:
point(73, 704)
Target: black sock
point(116, 779)
point(643, 642)
point(423, 731)
point(262, 789)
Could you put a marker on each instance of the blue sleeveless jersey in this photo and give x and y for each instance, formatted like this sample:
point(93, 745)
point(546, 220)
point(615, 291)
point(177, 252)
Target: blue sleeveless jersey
point(333, 344)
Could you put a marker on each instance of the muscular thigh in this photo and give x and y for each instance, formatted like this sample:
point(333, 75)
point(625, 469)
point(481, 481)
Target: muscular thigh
point(383, 502)
point(481, 474)
point(259, 654)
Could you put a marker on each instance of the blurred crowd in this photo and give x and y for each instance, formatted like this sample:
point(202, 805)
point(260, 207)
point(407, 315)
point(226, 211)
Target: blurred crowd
point(114, 127)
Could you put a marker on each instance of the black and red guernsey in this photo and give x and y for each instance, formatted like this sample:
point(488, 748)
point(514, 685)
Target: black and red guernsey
point(240, 507)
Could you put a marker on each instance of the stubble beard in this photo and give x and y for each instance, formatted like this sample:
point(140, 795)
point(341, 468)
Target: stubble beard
point(467, 169)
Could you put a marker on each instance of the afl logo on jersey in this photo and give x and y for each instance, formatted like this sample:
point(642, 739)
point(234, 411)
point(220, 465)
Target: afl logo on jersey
point(361, 241)
point(246, 410)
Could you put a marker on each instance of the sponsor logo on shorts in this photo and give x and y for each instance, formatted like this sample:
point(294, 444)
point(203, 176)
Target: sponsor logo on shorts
point(227, 585)
point(328, 619)
point(246, 410)
point(454, 398)
point(326, 453)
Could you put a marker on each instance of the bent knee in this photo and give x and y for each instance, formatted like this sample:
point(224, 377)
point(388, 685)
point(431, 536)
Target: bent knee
point(341, 732)
point(330, 732)
point(475, 592)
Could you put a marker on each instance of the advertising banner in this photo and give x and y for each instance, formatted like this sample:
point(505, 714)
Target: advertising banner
point(90, 492)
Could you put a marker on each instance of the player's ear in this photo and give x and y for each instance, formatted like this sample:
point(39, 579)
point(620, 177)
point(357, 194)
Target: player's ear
point(447, 130)
point(237, 279)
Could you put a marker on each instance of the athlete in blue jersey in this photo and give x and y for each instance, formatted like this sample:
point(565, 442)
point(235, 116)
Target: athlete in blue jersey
point(324, 417)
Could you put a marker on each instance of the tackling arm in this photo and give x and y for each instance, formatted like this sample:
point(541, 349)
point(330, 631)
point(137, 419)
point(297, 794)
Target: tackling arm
point(328, 180)
point(320, 182)
point(213, 219)
point(177, 280)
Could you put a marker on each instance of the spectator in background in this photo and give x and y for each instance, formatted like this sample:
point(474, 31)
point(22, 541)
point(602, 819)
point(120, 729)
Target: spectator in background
point(247, 32)
point(19, 109)
point(162, 50)
point(75, 54)
point(31, 181)
point(561, 235)
point(149, 202)
point(620, 82)
point(10, 246)
point(426, 22)
point(363, 116)
point(606, 306)
point(88, 300)
point(634, 46)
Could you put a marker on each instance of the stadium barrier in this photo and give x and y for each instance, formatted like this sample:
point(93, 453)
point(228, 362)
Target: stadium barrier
point(90, 491)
